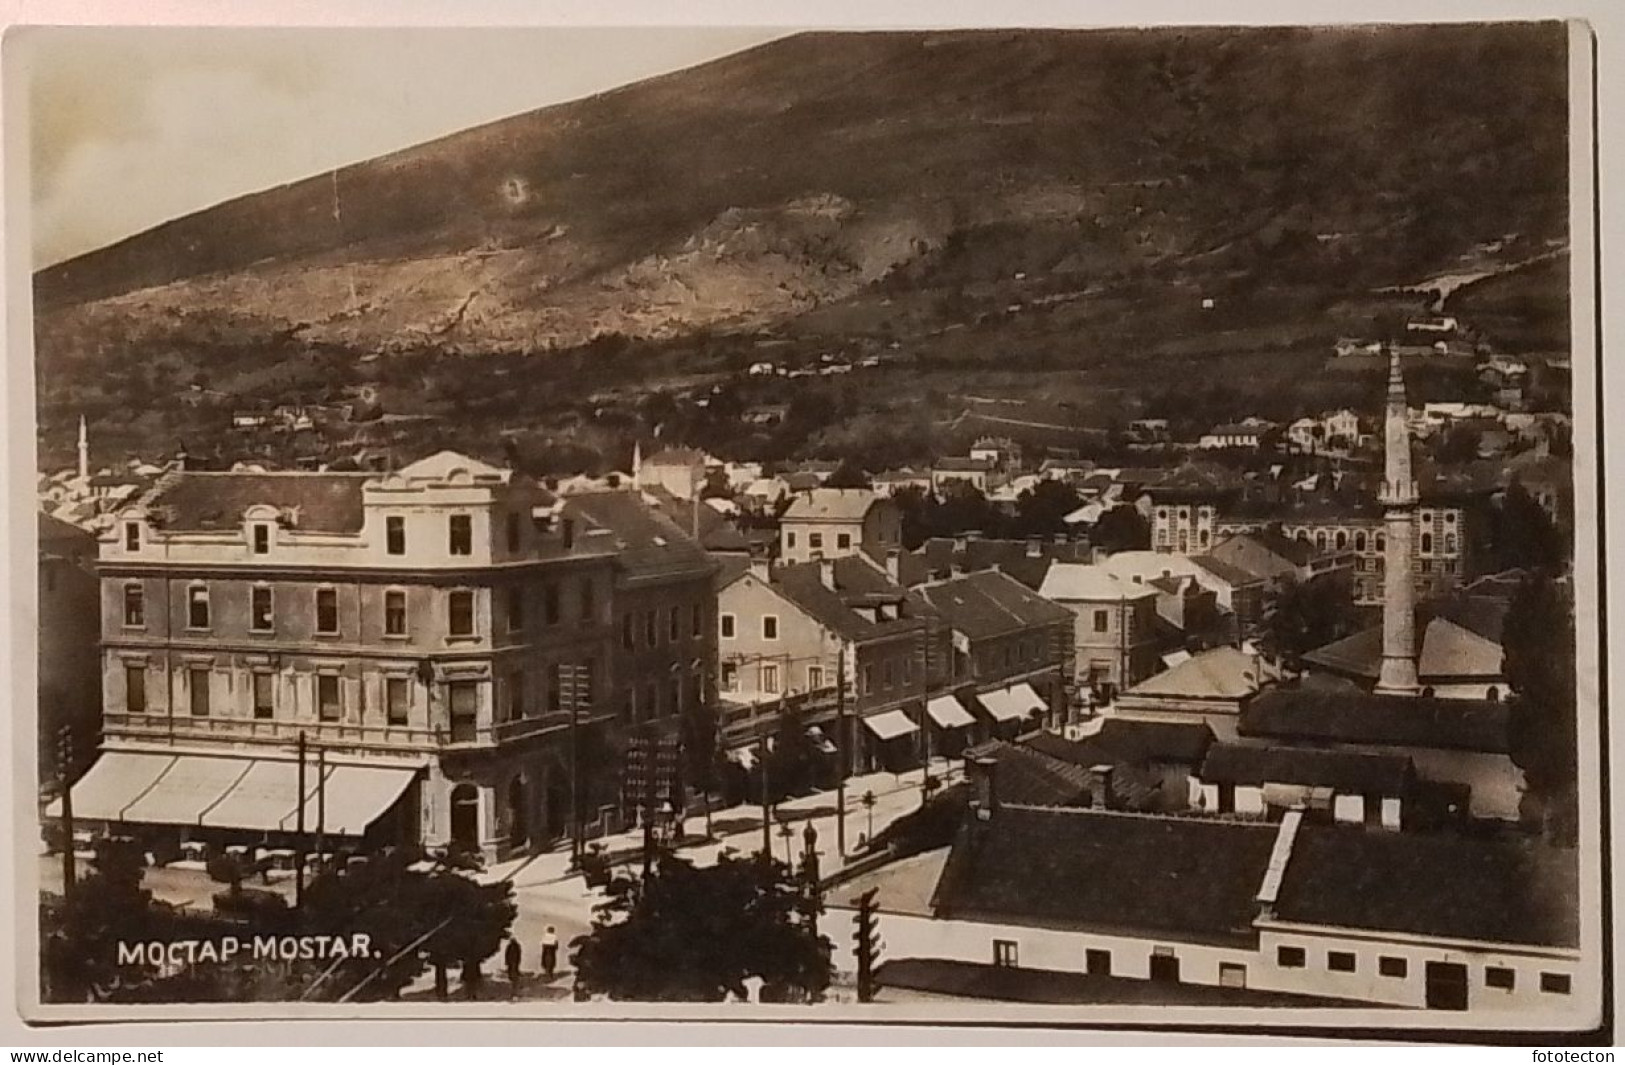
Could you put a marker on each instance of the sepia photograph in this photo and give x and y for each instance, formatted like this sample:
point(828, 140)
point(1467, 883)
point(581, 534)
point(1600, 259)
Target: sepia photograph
point(997, 525)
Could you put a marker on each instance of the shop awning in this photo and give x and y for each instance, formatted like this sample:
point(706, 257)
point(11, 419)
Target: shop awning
point(947, 712)
point(1011, 704)
point(265, 798)
point(117, 779)
point(890, 725)
point(189, 787)
point(354, 796)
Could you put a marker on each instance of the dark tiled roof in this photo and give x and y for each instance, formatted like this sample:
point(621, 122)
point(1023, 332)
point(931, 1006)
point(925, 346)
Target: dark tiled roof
point(1359, 655)
point(648, 545)
point(1232, 575)
point(730, 568)
point(1348, 772)
point(857, 582)
point(1027, 778)
point(1376, 720)
point(1174, 876)
point(1026, 561)
point(1502, 889)
point(987, 605)
point(1481, 615)
point(717, 533)
point(204, 502)
point(1126, 741)
point(57, 534)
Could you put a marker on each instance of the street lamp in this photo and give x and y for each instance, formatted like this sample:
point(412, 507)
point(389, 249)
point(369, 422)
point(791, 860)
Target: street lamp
point(787, 835)
point(868, 802)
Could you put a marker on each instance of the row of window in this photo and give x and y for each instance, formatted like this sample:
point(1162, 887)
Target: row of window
point(815, 541)
point(1184, 513)
point(459, 609)
point(728, 625)
point(651, 629)
point(459, 535)
point(263, 701)
point(1344, 961)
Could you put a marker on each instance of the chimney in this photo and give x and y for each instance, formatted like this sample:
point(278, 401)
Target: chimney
point(894, 565)
point(1100, 787)
point(567, 530)
point(985, 773)
point(1097, 555)
point(959, 544)
point(1035, 547)
point(1060, 538)
point(761, 569)
point(826, 573)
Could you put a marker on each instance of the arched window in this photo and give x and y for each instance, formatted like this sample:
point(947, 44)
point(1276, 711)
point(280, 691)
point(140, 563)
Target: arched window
point(1359, 541)
point(1202, 537)
point(1320, 540)
point(1427, 543)
point(465, 816)
point(1342, 539)
point(1449, 543)
point(1382, 542)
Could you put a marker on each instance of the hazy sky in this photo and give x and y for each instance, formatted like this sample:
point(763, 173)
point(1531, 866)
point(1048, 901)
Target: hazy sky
point(132, 127)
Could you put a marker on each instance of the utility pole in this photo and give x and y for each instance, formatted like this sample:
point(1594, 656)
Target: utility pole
point(767, 811)
point(573, 691)
point(299, 830)
point(64, 748)
point(867, 940)
point(841, 752)
point(321, 800)
point(650, 760)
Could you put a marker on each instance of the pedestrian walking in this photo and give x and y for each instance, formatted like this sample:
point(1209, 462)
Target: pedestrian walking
point(513, 957)
point(550, 951)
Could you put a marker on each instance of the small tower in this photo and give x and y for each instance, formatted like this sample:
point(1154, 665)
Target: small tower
point(84, 451)
point(637, 462)
point(1398, 497)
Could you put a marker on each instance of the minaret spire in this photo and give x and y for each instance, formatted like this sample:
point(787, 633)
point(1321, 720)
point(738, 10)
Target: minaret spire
point(84, 450)
point(637, 461)
point(1398, 498)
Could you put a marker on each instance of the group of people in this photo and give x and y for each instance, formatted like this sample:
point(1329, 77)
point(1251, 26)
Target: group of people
point(514, 958)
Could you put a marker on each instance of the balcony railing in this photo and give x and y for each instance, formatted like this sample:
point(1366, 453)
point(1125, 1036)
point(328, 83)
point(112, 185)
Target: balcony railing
point(459, 733)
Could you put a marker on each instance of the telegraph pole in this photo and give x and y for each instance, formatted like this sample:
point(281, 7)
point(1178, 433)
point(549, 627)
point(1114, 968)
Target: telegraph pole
point(767, 818)
point(573, 689)
point(321, 800)
point(840, 743)
point(299, 830)
point(65, 763)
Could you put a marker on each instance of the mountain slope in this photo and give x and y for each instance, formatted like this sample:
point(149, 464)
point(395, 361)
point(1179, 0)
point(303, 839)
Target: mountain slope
point(756, 188)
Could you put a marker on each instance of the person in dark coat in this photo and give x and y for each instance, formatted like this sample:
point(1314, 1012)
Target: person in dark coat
point(513, 957)
point(550, 951)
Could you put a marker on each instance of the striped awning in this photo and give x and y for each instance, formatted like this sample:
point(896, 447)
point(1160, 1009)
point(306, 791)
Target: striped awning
point(890, 725)
point(948, 712)
point(1011, 704)
point(117, 779)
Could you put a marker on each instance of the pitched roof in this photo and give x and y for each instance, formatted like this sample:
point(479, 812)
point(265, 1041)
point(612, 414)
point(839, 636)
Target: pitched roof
point(193, 501)
point(831, 504)
point(1126, 740)
point(1231, 574)
point(1220, 673)
point(1090, 583)
point(1026, 560)
point(717, 533)
point(1450, 650)
point(56, 533)
point(678, 456)
point(857, 583)
point(649, 546)
point(990, 604)
point(1377, 720)
point(1027, 777)
point(1192, 878)
point(442, 465)
point(1502, 889)
point(1342, 771)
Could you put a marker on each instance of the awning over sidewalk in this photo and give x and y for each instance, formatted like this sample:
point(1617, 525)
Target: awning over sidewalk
point(189, 787)
point(117, 779)
point(266, 799)
point(948, 712)
point(1011, 704)
point(255, 794)
point(356, 796)
point(890, 725)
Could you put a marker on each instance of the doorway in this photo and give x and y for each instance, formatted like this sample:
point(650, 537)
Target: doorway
point(465, 816)
point(1446, 986)
point(1165, 968)
point(518, 813)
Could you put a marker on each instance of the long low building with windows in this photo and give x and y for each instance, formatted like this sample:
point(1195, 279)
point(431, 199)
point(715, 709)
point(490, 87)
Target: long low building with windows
point(1315, 913)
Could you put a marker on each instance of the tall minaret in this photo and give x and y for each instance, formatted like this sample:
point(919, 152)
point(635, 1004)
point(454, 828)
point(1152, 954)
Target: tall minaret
point(1398, 498)
point(637, 462)
point(84, 451)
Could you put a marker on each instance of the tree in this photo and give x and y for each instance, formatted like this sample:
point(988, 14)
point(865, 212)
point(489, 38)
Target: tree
point(81, 932)
point(700, 738)
point(1459, 445)
point(442, 918)
point(793, 762)
point(1306, 615)
point(1522, 534)
point(848, 475)
point(688, 934)
point(1539, 663)
point(1042, 509)
point(1122, 528)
